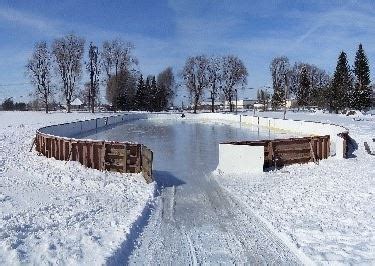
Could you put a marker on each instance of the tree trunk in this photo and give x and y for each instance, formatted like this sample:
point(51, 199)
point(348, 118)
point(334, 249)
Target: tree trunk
point(213, 99)
point(195, 104)
point(92, 105)
point(230, 104)
point(68, 106)
point(92, 90)
point(46, 103)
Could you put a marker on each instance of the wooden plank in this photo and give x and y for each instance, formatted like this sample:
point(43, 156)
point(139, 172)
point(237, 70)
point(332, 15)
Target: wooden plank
point(146, 162)
point(300, 150)
point(80, 152)
point(91, 155)
point(115, 156)
point(84, 154)
point(319, 149)
point(297, 161)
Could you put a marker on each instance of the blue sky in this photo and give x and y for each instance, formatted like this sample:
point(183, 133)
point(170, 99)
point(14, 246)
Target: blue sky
point(166, 32)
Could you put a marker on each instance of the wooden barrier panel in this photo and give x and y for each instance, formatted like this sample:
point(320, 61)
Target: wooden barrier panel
point(280, 152)
point(147, 158)
point(120, 157)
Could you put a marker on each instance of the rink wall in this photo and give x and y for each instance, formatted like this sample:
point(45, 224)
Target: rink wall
point(322, 140)
point(59, 142)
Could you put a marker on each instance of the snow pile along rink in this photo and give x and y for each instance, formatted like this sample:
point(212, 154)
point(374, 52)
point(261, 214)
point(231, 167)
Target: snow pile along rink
point(327, 211)
point(60, 212)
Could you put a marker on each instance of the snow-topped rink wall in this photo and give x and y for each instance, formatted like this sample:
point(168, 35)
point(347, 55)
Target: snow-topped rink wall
point(319, 142)
point(59, 142)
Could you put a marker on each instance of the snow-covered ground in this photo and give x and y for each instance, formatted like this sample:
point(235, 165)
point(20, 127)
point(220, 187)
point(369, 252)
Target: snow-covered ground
point(326, 210)
point(60, 212)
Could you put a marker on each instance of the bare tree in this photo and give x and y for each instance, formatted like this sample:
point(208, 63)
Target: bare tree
point(38, 68)
point(93, 68)
point(263, 97)
point(116, 57)
point(68, 52)
point(318, 80)
point(165, 88)
point(214, 69)
point(234, 76)
point(280, 71)
point(122, 89)
point(196, 77)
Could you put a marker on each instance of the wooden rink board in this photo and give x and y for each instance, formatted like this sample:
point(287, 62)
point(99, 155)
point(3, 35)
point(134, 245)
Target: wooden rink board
point(120, 157)
point(280, 152)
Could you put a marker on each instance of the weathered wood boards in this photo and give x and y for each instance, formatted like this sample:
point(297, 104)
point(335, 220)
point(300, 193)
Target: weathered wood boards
point(280, 152)
point(101, 155)
point(147, 158)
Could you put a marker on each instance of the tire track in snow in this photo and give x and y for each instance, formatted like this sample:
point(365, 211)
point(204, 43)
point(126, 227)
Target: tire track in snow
point(2, 155)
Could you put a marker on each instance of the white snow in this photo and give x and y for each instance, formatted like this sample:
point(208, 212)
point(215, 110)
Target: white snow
point(60, 212)
point(326, 210)
point(56, 212)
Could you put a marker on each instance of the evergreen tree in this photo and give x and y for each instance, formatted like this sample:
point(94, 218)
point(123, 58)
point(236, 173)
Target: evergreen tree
point(303, 91)
point(361, 98)
point(341, 86)
point(148, 95)
point(140, 95)
point(154, 103)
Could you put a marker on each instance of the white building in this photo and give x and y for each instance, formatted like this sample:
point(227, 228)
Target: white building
point(241, 104)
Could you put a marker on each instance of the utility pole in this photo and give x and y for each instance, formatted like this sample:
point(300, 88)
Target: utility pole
point(285, 94)
point(236, 99)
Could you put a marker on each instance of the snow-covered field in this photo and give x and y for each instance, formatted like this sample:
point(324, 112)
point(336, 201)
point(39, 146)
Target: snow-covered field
point(60, 212)
point(326, 210)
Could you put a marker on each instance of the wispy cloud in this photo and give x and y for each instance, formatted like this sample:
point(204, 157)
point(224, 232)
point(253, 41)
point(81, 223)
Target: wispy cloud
point(24, 19)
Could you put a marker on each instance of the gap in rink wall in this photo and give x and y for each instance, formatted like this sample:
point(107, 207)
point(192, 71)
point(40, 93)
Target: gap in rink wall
point(324, 140)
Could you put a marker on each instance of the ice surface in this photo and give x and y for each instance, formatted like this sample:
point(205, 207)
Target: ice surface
point(194, 220)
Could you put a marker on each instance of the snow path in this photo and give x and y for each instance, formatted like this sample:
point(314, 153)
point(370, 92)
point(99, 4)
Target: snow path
point(194, 221)
point(213, 229)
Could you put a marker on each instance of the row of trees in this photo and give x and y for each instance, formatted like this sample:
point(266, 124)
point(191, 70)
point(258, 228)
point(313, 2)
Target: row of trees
point(312, 86)
point(304, 82)
point(65, 56)
point(351, 86)
point(216, 75)
point(127, 91)
point(9, 105)
point(114, 65)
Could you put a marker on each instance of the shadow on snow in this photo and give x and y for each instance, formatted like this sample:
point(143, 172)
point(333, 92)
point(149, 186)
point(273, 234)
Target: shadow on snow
point(121, 256)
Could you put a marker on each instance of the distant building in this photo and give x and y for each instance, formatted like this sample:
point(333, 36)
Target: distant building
point(206, 105)
point(241, 104)
point(77, 104)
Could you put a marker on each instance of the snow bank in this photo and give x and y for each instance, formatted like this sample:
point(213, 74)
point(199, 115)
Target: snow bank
point(326, 210)
point(60, 212)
